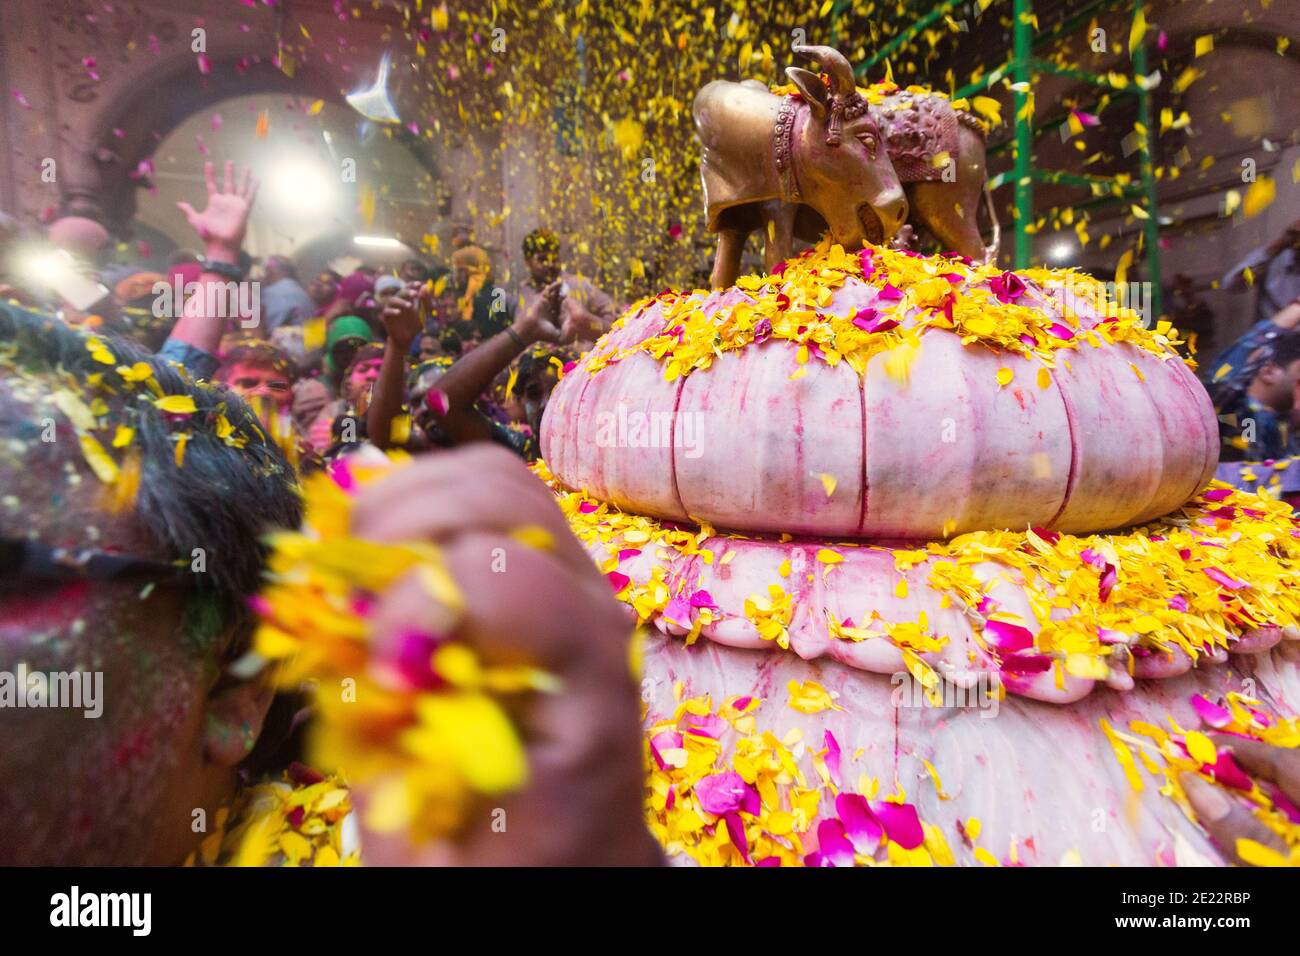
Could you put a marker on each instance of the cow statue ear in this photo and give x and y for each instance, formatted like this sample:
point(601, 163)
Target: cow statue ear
point(812, 89)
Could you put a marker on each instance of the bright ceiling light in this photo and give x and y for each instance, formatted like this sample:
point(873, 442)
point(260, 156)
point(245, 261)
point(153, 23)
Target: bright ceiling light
point(382, 242)
point(301, 186)
point(1061, 252)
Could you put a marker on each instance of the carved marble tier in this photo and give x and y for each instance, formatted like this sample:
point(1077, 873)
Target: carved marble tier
point(1117, 437)
point(1043, 780)
point(865, 588)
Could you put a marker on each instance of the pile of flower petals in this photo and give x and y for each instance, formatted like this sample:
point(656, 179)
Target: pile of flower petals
point(1191, 584)
point(760, 808)
point(297, 821)
point(848, 306)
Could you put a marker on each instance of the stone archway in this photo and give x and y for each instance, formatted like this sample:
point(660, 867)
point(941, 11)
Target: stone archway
point(104, 180)
point(90, 89)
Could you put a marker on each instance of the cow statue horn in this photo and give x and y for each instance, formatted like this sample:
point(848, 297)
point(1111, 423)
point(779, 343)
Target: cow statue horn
point(844, 85)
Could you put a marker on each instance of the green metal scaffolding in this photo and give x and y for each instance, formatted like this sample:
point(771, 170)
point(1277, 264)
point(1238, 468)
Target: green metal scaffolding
point(1024, 68)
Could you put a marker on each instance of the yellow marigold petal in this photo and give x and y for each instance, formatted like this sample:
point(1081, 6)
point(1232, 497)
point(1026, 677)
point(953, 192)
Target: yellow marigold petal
point(810, 697)
point(478, 733)
point(176, 404)
point(535, 537)
point(1200, 747)
point(100, 462)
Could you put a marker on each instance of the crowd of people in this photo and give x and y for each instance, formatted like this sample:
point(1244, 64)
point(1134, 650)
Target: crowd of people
point(415, 359)
point(337, 359)
point(419, 358)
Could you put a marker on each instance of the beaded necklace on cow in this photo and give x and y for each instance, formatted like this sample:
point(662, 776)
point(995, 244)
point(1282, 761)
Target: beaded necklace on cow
point(783, 139)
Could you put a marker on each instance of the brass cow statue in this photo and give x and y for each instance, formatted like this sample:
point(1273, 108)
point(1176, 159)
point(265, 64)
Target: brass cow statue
point(793, 167)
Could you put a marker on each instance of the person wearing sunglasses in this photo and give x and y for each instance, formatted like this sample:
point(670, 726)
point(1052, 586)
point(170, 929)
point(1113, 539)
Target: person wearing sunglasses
point(258, 370)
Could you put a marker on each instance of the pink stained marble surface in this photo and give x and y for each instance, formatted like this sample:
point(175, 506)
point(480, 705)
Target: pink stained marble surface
point(945, 450)
point(1044, 778)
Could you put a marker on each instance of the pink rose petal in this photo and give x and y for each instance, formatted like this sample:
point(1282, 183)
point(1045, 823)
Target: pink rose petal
point(678, 611)
point(1214, 574)
point(1211, 713)
point(1006, 636)
point(1106, 583)
point(721, 793)
point(1007, 286)
point(341, 474)
point(1107, 636)
point(736, 830)
point(1283, 803)
point(661, 742)
point(703, 599)
point(901, 823)
point(1227, 772)
point(832, 747)
point(707, 725)
point(437, 401)
point(833, 845)
point(1026, 663)
point(860, 824)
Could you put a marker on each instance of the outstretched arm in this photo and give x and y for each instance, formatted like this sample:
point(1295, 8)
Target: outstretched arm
point(401, 318)
point(472, 375)
point(221, 227)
